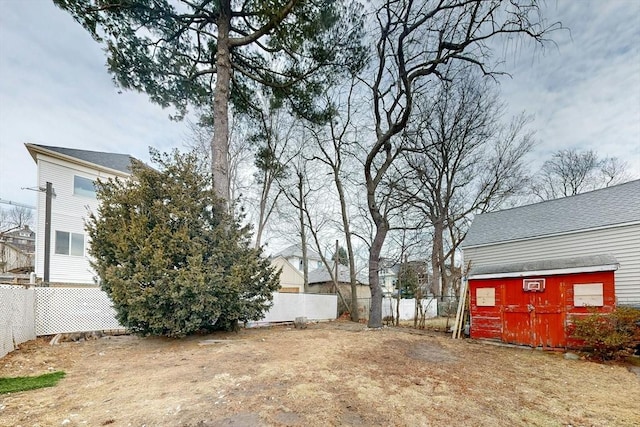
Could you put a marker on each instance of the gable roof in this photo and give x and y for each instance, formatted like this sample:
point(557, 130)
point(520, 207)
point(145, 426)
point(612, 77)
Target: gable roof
point(607, 207)
point(112, 161)
point(321, 275)
point(296, 251)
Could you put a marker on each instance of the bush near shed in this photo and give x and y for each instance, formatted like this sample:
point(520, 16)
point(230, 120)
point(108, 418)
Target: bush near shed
point(608, 336)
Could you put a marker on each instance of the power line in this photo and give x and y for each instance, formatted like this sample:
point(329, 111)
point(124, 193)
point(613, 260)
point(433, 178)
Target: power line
point(22, 205)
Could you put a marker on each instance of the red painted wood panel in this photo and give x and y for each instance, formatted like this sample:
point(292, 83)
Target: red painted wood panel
point(538, 319)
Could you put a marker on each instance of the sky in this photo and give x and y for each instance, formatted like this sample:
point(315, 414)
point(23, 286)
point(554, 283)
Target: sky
point(582, 89)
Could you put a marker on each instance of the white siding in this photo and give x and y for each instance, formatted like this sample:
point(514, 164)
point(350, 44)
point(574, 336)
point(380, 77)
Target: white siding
point(68, 213)
point(621, 242)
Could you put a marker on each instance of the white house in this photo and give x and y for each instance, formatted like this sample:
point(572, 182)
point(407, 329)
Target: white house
point(71, 173)
point(293, 254)
point(562, 237)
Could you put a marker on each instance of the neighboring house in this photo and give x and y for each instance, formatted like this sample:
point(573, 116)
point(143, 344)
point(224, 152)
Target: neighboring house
point(293, 254)
point(72, 173)
point(388, 274)
point(291, 279)
point(320, 282)
point(17, 250)
point(536, 266)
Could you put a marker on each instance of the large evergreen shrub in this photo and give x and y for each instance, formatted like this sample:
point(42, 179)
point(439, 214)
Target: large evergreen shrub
point(170, 257)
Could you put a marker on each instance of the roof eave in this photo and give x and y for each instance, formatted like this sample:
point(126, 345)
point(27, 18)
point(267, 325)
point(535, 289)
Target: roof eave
point(554, 272)
point(34, 150)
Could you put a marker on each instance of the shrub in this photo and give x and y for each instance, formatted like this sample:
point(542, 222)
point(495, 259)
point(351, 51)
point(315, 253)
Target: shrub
point(169, 256)
point(608, 336)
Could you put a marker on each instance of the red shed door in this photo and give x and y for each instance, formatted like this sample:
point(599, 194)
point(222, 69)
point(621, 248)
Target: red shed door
point(534, 318)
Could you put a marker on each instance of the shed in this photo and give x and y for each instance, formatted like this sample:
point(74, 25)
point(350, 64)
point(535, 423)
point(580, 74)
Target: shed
point(532, 303)
point(535, 267)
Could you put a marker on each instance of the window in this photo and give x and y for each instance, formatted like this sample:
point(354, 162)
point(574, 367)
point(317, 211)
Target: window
point(83, 187)
point(69, 243)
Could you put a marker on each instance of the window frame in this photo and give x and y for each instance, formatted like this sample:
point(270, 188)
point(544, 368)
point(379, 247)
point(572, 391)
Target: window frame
point(82, 191)
point(65, 245)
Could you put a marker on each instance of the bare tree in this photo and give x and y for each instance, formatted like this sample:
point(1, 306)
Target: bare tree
point(415, 40)
point(335, 147)
point(274, 154)
point(570, 172)
point(239, 154)
point(15, 217)
point(464, 161)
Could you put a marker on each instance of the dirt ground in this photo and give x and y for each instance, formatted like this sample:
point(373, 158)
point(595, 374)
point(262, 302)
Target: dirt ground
point(335, 373)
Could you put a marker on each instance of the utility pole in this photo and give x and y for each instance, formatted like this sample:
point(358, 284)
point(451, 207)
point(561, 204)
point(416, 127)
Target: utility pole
point(47, 231)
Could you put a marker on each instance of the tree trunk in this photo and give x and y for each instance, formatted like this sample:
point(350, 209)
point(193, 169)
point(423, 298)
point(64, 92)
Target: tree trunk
point(303, 235)
point(375, 310)
point(436, 260)
point(355, 315)
point(220, 141)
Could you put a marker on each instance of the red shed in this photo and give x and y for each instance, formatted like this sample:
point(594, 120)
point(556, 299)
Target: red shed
point(532, 303)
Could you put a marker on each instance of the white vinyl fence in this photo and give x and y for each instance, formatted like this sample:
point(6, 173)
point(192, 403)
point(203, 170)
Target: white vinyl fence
point(408, 308)
point(286, 307)
point(27, 313)
point(17, 317)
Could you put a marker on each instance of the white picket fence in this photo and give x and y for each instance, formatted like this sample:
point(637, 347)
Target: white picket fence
point(408, 308)
point(27, 313)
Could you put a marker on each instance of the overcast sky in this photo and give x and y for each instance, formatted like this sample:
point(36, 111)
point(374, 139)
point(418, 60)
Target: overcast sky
point(584, 92)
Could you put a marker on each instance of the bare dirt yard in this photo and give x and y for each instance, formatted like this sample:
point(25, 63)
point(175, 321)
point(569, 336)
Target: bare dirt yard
point(335, 373)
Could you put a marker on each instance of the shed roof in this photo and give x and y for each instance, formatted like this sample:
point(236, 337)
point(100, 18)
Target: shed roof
point(616, 205)
point(114, 161)
point(604, 262)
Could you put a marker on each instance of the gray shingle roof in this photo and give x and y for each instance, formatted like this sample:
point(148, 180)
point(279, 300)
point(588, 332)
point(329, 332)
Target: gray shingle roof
point(546, 265)
point(296, 250)
point(321, 275)
point(619, 204)
point(119, 162)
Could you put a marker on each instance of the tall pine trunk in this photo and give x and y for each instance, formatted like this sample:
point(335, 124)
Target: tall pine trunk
point(220, 141)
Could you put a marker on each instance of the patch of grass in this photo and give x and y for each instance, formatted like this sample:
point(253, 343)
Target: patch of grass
point(16, 384)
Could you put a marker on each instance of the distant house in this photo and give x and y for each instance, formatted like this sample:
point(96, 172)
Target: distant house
point(536, 266)
point(72, 174)
point(388, 274)
point(291, 279)
point(17, 250)
point(320, 282)
point(293, 254)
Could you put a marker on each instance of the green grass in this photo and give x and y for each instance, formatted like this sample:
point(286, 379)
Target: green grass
point(13, 385)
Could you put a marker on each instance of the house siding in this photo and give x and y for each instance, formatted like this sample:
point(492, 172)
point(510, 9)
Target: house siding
point(623, 242)
point(68, 213)
point(290, 277)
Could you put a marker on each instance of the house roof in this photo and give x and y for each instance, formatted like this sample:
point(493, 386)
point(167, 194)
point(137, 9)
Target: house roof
point(605, 262)
point(607, 207)
point(321, 275)
point(113, 161)
point(296, 250)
